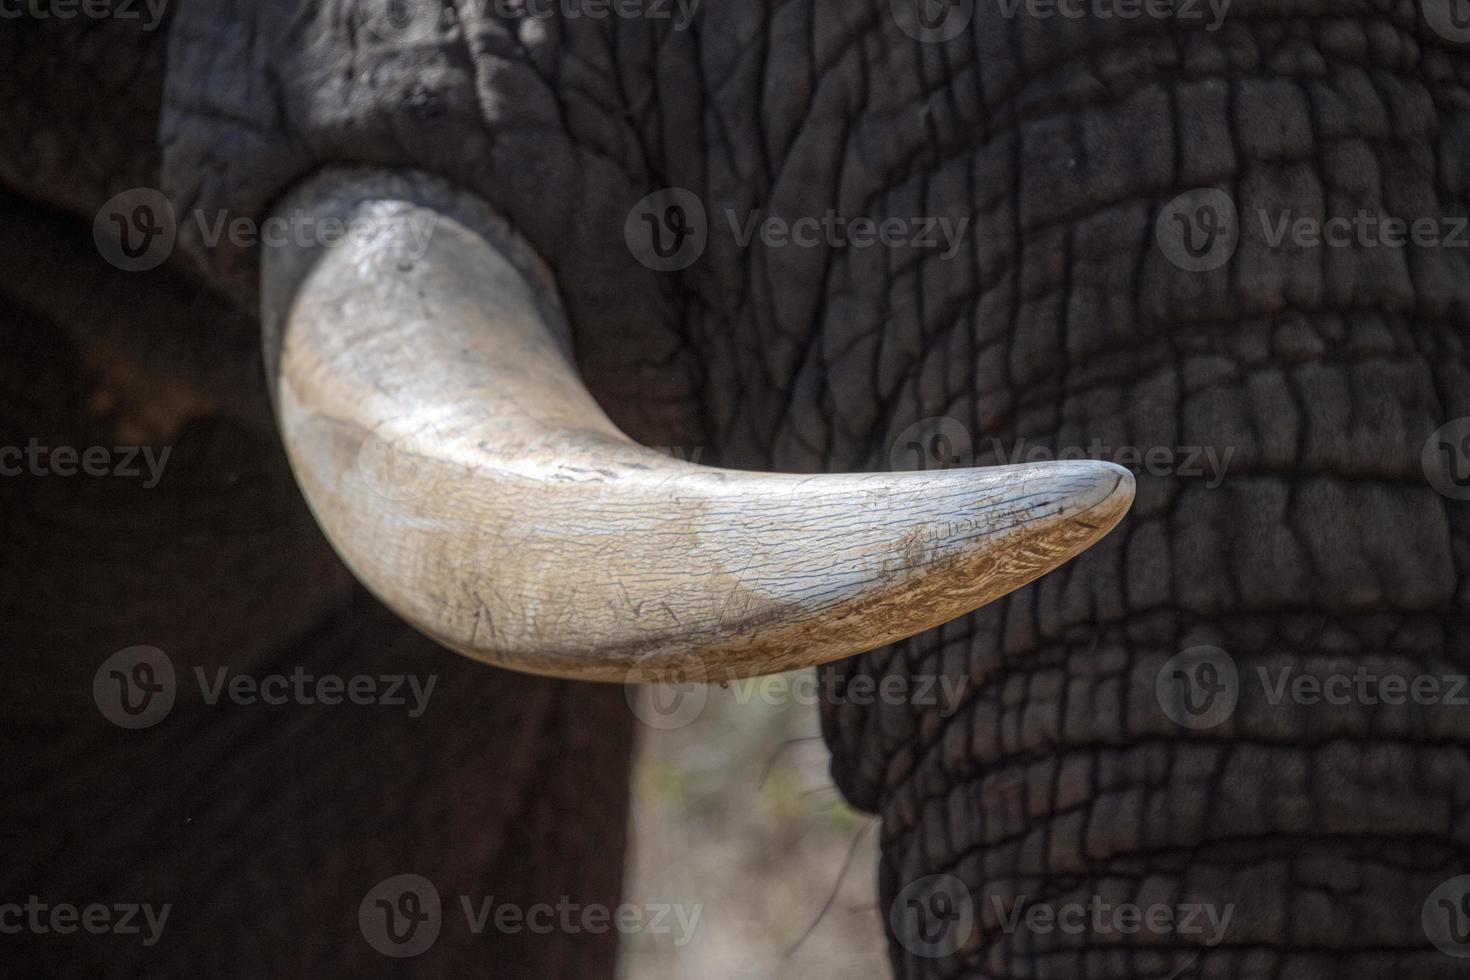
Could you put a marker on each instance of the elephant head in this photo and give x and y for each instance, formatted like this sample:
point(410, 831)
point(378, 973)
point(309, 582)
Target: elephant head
point(588, 234)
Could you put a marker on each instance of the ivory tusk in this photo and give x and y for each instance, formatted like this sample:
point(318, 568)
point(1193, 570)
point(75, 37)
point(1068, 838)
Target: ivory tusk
point(437, 425)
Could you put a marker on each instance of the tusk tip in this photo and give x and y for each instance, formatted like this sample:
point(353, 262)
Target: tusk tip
point(1104, 489)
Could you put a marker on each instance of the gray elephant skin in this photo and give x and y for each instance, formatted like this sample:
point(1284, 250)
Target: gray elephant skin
point(1310, 837)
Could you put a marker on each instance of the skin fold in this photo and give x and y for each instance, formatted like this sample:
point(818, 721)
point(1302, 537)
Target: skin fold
point(1054, 320)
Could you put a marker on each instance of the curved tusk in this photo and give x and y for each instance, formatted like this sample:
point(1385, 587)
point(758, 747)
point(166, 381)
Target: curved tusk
point(440, 432)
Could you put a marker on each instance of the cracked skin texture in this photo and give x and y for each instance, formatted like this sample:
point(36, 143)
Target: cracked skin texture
point(1057, 777)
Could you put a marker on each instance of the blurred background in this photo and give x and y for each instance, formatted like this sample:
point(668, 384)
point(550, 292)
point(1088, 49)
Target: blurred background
point(734, 811)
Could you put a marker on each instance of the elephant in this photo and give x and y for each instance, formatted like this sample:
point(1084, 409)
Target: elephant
point(1099, 248)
